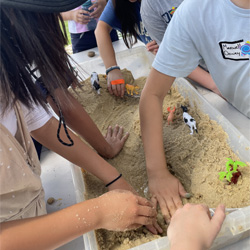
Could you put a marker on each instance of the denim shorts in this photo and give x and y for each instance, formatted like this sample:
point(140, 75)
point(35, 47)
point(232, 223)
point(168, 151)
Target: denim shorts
point(86, 40)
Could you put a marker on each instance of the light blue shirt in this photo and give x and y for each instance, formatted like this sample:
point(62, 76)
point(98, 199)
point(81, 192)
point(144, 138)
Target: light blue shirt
point(218, 32)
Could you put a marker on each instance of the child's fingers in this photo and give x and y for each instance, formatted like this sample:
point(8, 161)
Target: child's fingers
point(125, 137)
point(118, 88)
point(183, 193)
point(120, 132)
point(109, 132)
point(217, 219)
point(114, 89)
point(152, 229)
point(164, 209)
point(144, 202)
point(144, 220)
point(115, 130)
point(110, 89)
point(157, 227)
point(122, 89)
point(152, 47)
point(147, 211)
point(178, 202)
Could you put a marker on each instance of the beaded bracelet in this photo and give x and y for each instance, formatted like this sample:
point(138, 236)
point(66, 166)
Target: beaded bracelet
point(117, 178)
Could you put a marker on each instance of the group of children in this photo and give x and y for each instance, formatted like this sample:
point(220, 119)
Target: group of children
point(209, 30)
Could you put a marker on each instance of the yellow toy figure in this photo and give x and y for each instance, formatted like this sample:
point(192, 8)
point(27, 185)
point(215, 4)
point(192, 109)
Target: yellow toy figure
point(131, 89)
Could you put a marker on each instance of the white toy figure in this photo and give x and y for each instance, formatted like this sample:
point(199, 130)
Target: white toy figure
point(189, 120)
point(95, 82)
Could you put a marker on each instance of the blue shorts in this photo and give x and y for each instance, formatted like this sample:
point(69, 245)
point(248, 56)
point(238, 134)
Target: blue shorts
point(86, 40)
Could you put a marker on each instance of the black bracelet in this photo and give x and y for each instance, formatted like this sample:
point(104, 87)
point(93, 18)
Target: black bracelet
point(117, 178)
point(111, 68)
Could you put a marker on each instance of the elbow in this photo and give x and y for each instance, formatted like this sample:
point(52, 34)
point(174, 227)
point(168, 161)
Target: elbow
point(99, 29)
point(96, 31)
point(102, 29)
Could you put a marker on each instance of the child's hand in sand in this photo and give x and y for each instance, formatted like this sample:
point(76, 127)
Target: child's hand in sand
point(192, 227)
point(116, 140)
point(122, 210)
point(118, 89)
point(166, 190)
point(121, 184)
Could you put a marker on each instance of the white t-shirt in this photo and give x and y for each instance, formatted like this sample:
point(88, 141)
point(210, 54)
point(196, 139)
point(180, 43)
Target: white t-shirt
point(218, 32)
point(34, 118)
point(156, 15)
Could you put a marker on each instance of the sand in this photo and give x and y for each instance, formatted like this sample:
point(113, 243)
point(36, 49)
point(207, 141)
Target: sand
point(195, 159)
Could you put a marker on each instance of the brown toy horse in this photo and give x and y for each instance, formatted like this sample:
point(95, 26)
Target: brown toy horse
point(171, 115)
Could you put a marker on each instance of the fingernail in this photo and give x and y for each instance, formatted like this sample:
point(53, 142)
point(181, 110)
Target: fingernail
point(188, 195)
point(222, 206)
point(167, 219)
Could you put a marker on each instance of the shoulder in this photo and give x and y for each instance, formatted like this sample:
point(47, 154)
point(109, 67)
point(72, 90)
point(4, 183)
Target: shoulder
point(35, 117)
point(109, 8)
point(147, 6)
point(108, 12)
point(195, 7)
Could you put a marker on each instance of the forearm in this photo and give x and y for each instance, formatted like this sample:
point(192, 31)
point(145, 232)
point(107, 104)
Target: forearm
point(151, 127)
point(67, 15)
point(52, 230)
point(79, 154)
point(81, 123)
point(151, 119)
point(104, 44)
point(202, 77)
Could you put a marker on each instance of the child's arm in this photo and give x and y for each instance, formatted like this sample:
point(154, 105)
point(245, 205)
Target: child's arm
point(79, 154)
point(115, 210)
point(107, 53)
point(164, 187)
point(79, 121)
point(202, 77)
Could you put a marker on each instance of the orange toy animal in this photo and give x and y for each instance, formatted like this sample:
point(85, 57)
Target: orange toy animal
point(131, 89)
point(171, 115)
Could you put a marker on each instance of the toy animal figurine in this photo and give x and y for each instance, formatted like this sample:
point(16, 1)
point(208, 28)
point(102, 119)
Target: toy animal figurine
point(131, 89)
point(189, 120)
point(95, 82)
point(171, 115)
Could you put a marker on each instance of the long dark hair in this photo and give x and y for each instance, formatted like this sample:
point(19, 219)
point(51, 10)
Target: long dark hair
point(31, 39)
point(126, 13)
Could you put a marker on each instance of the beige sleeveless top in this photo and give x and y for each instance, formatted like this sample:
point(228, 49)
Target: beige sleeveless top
point(21, 192)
